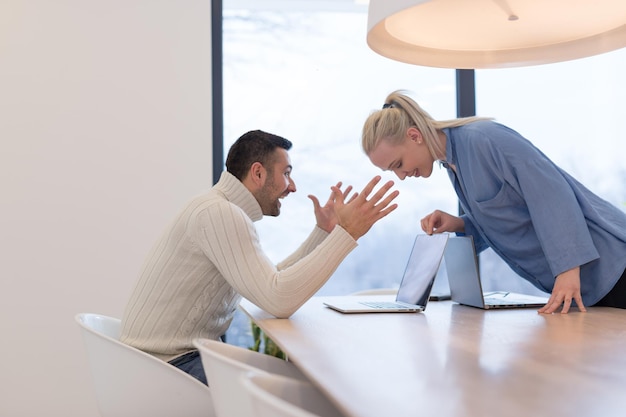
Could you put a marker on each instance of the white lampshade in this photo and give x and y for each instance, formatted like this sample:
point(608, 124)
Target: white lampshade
point(466, 34)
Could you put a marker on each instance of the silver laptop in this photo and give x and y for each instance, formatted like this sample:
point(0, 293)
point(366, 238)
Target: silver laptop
point(465, 284)
point(417, 282)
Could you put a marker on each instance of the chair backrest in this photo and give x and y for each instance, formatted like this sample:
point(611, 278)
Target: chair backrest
point(131, 383)
point(224, 364)
point(279, 396)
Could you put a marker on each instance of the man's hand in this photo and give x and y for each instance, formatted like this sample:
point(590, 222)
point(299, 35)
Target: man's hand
point(566, 288)
point(439, 222)
point(359, 214)
point(326, 217)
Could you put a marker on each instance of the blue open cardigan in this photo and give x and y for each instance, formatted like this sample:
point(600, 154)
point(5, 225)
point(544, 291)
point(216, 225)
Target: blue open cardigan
point(533, 214)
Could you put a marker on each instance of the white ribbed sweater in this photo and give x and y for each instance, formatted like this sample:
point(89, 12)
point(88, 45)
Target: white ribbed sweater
point(207, 259)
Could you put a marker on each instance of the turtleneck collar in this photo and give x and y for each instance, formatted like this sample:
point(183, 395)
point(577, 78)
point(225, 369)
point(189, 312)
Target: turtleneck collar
point(238, 194)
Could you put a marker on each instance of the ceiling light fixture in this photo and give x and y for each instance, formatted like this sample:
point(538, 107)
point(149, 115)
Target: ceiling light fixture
point(472, 34)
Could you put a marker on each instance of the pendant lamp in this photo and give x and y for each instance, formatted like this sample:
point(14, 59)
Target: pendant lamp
point(474, 34)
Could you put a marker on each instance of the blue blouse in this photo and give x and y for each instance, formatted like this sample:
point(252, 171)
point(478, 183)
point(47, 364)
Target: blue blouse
point(533, 214)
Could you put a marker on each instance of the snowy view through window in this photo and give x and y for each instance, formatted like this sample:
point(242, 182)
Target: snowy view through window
point(310, 77)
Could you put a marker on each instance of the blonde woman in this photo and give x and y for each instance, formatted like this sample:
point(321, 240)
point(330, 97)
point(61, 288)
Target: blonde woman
point(542, 222)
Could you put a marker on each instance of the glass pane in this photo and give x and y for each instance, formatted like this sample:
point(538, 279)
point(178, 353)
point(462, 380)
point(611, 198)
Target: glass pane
point(310, 77)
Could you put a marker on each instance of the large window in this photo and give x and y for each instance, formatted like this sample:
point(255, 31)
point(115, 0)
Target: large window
point(308, 75)
point(311, 78)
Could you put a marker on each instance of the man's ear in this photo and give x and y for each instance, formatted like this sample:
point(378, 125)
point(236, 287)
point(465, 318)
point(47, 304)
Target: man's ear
point(258, 174)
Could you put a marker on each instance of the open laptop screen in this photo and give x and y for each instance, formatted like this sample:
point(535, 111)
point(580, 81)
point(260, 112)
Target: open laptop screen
point(421, 269)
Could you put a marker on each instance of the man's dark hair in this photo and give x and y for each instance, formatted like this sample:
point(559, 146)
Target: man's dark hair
point(251, 147)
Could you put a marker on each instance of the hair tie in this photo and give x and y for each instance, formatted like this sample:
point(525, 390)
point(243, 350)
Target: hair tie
point(387, 105)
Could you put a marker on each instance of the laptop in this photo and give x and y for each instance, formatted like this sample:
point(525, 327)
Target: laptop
point(417, 282)
point(465, 284)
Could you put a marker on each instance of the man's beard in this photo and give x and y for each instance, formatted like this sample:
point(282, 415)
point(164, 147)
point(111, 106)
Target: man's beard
point(269, 206)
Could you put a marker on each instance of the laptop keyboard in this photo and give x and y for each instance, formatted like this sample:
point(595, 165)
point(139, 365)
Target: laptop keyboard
point(382, 304)
point(495, 301)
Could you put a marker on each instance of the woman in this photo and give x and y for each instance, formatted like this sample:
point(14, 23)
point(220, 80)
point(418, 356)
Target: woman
point(547, 227)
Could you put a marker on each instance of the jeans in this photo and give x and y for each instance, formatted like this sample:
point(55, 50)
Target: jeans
point(192, 364)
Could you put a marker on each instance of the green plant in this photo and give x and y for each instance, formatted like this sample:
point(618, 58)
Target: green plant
point(263, 344)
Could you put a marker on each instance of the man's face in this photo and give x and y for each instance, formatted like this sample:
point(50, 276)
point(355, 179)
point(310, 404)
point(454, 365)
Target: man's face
point(277, 185)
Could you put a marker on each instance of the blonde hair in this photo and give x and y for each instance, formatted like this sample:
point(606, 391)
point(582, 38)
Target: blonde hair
point(399, 113)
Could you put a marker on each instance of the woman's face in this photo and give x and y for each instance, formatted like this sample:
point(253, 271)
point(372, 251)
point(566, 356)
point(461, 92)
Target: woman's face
point(410, 158)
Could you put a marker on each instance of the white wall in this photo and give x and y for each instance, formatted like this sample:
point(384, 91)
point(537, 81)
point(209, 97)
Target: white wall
point(105, 131)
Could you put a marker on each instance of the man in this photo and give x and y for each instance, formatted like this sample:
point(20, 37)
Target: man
point(210, 256)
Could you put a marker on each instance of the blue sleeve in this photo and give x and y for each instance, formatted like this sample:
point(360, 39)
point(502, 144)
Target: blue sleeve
point(471, 230)
point(519, 199)
point(554, 211)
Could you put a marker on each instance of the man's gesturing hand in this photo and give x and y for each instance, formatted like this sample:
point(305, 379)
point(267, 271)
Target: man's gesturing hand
point(325, 216)
point(359, 214)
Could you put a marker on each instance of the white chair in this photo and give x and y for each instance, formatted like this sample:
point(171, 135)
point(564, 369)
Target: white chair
point(131, 383)
point(224, 364)
point(279, 396)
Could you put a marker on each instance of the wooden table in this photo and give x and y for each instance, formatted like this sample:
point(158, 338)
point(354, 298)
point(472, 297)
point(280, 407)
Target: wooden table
point(453, 360)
